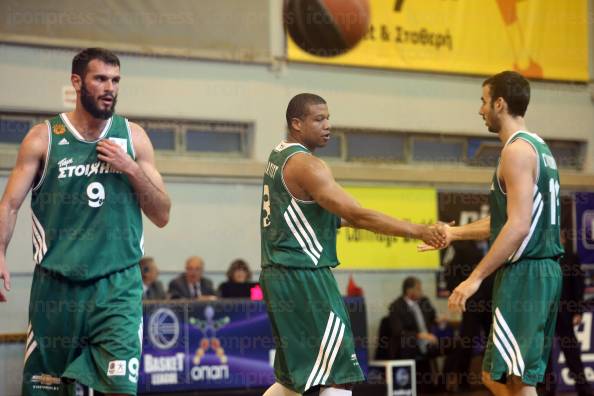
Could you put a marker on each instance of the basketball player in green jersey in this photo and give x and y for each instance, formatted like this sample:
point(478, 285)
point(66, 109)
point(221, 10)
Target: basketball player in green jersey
point(91, 173)
point(302, 207)
point(525, 245)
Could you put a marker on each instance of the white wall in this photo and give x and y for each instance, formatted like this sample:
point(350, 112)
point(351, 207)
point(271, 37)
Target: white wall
point(32, 78)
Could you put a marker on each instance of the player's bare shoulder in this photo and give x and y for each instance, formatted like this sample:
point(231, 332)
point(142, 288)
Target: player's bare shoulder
point(36, 141)
point(518, 152)
point(304, 165)
point(140, 141)
point(138, 132)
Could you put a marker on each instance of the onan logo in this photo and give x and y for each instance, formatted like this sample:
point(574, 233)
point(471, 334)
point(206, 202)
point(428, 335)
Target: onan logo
point(163, 328)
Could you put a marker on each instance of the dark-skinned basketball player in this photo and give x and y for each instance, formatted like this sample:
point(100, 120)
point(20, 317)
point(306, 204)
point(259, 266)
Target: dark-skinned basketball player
point(302, 207)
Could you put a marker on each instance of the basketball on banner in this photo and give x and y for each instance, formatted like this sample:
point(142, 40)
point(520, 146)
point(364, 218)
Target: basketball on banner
point(543, 39)
point(326, 28)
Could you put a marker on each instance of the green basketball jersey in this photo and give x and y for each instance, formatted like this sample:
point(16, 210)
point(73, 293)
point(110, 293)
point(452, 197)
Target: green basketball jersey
point(86, 218)
point(543, 239)
point(294, 233)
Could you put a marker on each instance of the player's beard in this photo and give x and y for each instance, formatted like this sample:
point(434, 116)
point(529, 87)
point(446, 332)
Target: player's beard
point(90, 105)
point(493, 123)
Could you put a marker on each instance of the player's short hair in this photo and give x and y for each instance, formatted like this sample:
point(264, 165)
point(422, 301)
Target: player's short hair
point(82, 59)
point(298, 106)
point(409, 283)
point(513, 88)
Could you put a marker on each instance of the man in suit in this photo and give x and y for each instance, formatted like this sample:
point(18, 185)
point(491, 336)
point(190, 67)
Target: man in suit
point(411, 318)
point(152, 288)
point(192, 284)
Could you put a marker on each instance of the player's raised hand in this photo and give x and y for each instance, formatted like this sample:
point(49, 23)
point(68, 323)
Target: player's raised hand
point(444, 230)
point(114, 155)
point(457, 300)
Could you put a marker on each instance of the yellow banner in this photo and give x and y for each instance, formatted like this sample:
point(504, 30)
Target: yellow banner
point(540, 38)
point(365, 250)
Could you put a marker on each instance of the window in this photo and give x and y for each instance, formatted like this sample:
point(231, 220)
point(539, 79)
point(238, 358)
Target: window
point(568, 155)
point(483, 152)
point(333, 149)
point(162, 137)
point(213, 142)
point(363, 146)
point(199, 138)
point(13, 128)
point(438, 149)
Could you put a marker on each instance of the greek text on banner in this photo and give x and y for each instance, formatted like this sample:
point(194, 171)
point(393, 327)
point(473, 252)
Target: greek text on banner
point(540, 38)
point(365, 250)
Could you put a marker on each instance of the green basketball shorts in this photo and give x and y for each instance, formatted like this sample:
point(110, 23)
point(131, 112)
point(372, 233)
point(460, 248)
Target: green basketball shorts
point(89, 332)
point(311, 328)
point(525, 301)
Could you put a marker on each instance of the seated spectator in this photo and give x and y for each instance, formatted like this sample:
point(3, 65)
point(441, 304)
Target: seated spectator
point(411, 319)
point(192, 284)
point(151, 287)
point(238, 283)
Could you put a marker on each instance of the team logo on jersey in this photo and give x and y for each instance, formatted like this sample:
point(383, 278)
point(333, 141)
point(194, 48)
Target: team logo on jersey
point(59, 129)
point(63, 142)
point(116, 368)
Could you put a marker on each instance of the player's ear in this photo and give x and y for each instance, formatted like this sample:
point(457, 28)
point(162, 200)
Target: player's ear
point(500, 104)
point(76, 81)
point(296, 124)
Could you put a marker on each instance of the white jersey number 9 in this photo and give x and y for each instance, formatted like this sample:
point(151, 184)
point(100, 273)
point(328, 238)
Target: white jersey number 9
point(96, 194)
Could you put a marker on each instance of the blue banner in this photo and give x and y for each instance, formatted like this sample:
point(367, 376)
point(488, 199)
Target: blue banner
point(584, 335)
point(222, 344)
point(584, 218)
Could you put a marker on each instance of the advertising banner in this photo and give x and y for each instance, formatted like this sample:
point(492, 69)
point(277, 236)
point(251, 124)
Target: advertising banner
point(365, 250)
point(545, 39)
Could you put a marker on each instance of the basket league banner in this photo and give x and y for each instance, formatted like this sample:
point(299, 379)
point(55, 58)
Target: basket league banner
point(584, 335)
point(543, 39)
point(584, 218)
point(584, 237)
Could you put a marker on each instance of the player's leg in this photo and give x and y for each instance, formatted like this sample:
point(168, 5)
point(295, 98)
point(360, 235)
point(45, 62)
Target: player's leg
point(519, 388)
point(336, 390)
point(277, 389)
point(53, 335)
point(314, 343)
point(497, 388)
point(525, 312)
point(111, 362)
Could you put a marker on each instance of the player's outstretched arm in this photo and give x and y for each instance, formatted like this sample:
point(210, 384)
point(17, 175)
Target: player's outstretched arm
point(517, 167)
point(142, 173)
point(478, 230)
point(21, 180)
point(314, 177)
